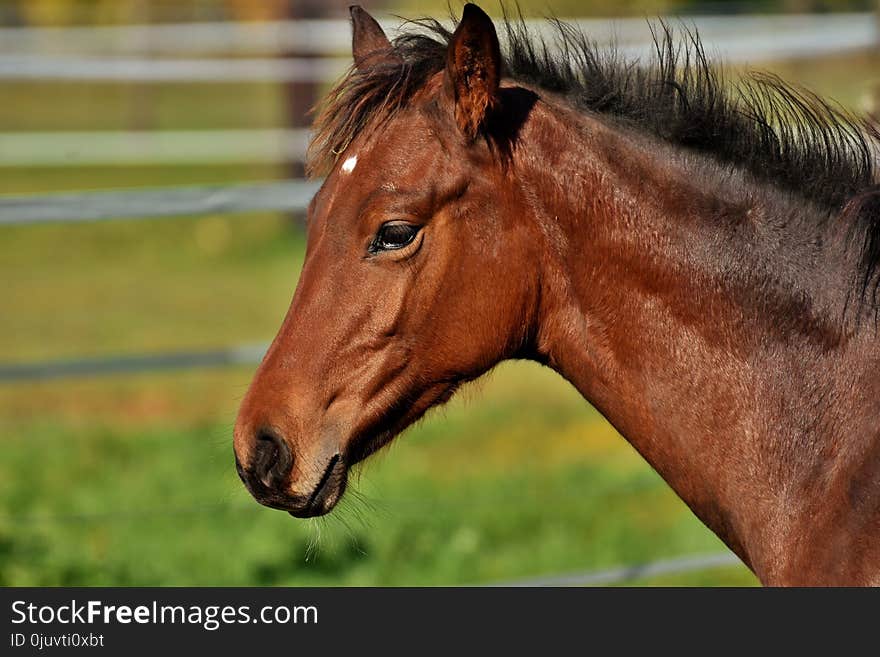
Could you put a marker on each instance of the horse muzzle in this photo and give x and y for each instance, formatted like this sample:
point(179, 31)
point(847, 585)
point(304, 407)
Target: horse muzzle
point(269, 477)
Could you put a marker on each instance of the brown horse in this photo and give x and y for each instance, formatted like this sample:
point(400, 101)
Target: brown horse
point(700, 259)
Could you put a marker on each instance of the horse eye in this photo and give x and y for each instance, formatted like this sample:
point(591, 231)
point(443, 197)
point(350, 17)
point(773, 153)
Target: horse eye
point(394, 235)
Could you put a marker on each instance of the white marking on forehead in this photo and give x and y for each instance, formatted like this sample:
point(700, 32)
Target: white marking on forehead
point(349, 165)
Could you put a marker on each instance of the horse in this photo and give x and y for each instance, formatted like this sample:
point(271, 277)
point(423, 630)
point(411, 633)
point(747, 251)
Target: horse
point(699, 258)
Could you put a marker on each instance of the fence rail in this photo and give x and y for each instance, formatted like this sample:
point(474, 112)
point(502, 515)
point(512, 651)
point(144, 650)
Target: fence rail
point(325, 37)
point(278, 196)
point(629, 573)
point(105, 53)
point(333, 37)
point(245, 354)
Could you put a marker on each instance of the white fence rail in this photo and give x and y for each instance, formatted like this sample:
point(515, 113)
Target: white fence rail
point(320, 37)
point(278, 196)
point(333, 37)
point(107, 53)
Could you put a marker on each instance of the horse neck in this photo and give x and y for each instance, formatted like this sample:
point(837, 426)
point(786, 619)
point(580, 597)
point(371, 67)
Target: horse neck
point(699, 325)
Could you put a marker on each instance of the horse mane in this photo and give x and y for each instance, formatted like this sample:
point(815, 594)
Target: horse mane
point(781, 134)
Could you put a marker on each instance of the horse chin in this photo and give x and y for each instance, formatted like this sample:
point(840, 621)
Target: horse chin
point(331, 487)
point(373, 438)
point(368, 444)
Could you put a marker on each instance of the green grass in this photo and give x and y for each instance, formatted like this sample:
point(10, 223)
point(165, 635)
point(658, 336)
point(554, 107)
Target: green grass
point(140, 285)
point(65, 179)
point(129, 480)
point(849, 79)
point(525, 481)
point(30, 106)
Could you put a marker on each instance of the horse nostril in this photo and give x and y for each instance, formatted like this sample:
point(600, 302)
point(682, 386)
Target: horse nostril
point(272, 460)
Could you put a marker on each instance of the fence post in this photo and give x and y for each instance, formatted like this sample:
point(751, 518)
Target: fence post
point(142, 96)
point(300, 96)
point(874, 102)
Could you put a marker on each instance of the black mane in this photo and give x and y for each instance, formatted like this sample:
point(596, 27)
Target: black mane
point(781, 134)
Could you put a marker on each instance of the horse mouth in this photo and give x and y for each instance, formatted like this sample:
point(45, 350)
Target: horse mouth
point(325, 495)
point(331, 486)
point(327, 492)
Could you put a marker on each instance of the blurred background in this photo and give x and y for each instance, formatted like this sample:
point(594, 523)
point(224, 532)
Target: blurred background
point(150, 241)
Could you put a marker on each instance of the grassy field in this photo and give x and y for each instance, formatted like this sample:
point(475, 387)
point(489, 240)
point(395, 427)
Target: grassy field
point(129, 480)
point(528, 481)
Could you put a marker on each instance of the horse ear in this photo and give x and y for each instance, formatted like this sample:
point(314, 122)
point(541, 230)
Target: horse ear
point(368, 41)
point(473, 69)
